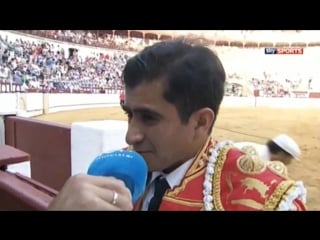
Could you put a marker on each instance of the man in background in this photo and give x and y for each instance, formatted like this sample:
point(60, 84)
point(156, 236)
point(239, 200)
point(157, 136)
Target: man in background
point(281, 148)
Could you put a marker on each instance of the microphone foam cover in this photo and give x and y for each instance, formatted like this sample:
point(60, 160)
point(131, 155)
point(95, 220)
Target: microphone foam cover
point(128, 166)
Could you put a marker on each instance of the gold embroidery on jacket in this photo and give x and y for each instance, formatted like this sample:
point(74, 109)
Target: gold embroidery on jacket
point(278, 194)
point(196, 170)
point(251, 164)
point(249, 149)
point(183, 202)
point(217, 177)
point(255, 184)
point(229, 184)
point(278, 168)
point(200, 159)
point(176, 190)
point(248, 203)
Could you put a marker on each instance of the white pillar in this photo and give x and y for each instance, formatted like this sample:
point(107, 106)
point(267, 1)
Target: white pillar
point(2, 129)
point(4, 113)
point(90, 139)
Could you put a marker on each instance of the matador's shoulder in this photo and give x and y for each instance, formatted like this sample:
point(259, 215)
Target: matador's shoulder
point(242, 181)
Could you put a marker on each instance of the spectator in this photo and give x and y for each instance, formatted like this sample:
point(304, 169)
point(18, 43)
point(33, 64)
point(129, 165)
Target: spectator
point(122, 98)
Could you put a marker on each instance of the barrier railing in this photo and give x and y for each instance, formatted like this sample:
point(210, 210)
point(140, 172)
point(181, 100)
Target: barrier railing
point(7, 87)
point(47, 143)
point(18, 192)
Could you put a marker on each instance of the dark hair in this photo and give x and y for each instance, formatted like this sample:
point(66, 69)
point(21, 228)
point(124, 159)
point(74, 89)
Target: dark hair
point(193, 76)
point(274, 148)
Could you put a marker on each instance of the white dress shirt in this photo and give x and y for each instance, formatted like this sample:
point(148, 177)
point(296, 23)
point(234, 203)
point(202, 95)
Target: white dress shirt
point(174, 179)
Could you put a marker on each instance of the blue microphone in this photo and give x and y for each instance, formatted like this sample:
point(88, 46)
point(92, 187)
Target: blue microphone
point(128, 166)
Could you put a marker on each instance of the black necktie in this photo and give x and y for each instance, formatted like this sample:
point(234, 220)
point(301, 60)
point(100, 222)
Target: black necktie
point(160, 186)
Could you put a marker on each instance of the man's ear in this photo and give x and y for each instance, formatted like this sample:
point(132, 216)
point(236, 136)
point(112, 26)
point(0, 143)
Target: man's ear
point(203, 120)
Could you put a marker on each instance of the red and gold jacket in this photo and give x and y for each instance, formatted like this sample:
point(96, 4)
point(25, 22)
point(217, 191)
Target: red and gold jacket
point(223, 177)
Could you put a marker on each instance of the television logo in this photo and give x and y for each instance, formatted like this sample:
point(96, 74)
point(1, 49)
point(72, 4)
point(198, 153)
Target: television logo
point(283, 50)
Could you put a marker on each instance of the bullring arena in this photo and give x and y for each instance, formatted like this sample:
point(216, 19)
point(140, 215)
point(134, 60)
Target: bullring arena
point(40, 121)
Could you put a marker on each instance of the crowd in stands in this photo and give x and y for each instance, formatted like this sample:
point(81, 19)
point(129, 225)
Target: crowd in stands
point(45, 66)
point(86, 37)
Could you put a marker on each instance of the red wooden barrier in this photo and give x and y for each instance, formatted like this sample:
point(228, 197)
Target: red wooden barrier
point(47, 143)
